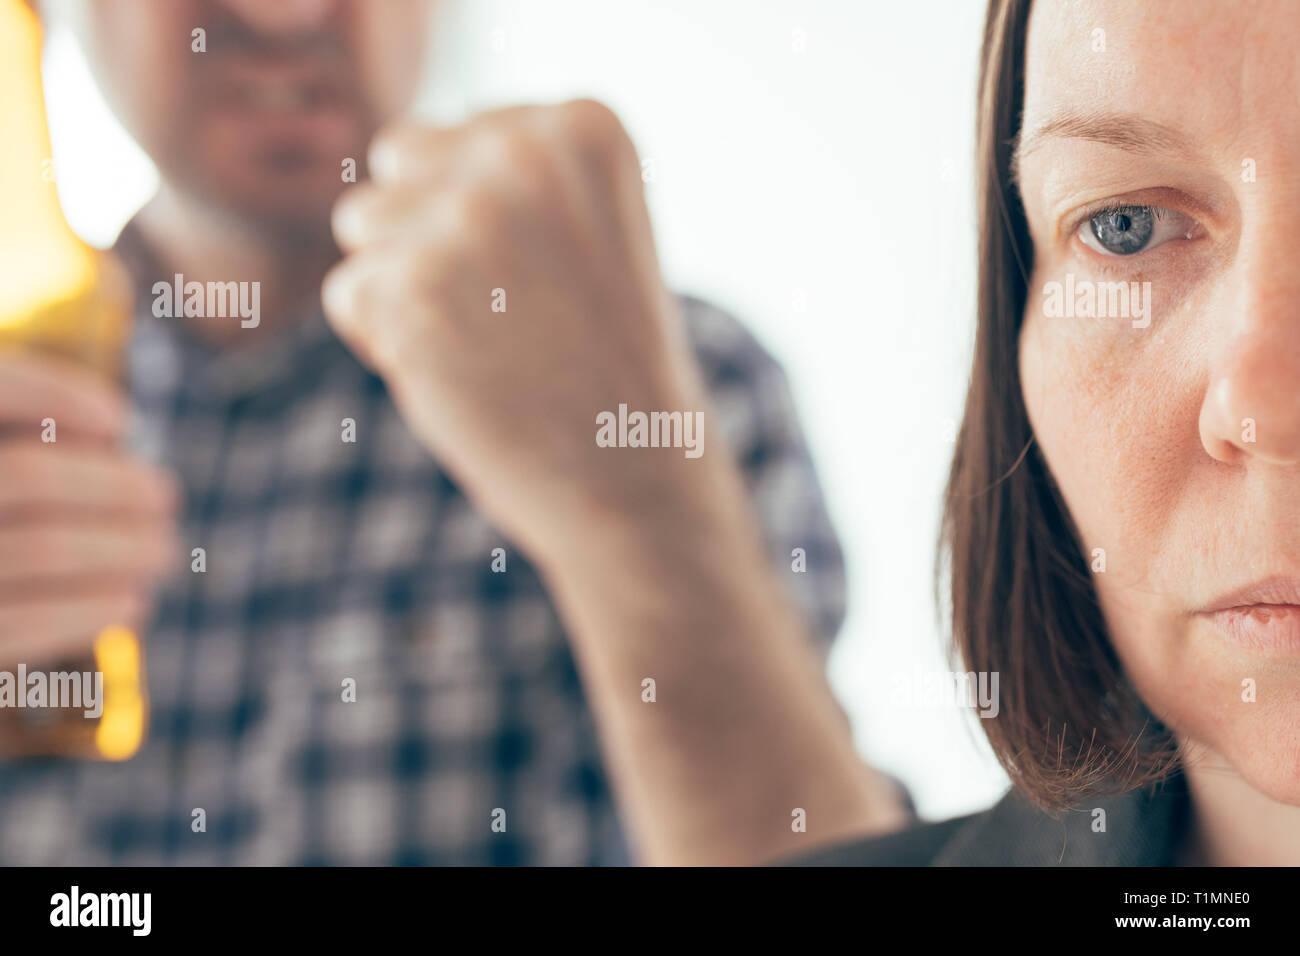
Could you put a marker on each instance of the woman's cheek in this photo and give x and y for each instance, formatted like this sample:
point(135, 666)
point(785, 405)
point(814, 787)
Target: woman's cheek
point(1114, 417)
point(1109, 422)
point(1099, 423)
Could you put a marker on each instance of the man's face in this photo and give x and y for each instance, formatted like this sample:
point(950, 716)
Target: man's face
point(261, 122)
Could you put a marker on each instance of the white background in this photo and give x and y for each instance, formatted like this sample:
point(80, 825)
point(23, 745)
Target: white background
point(812, 169)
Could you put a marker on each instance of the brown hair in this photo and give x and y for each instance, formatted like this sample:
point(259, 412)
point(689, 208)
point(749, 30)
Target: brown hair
point(1023, 604)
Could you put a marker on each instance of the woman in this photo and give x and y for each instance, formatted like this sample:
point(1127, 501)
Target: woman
point(1121, 515)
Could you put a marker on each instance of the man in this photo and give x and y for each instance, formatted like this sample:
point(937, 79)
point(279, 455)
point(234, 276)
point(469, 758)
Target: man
point(397, 509)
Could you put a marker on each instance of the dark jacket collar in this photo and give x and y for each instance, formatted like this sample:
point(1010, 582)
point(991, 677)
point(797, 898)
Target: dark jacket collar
point(1138, 828)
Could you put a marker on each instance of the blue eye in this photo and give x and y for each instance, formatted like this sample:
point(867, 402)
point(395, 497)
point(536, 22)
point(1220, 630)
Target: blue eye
point(1123, 231)
point(1128, 230)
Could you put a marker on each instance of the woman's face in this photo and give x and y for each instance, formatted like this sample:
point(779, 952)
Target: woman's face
point(1161, 150)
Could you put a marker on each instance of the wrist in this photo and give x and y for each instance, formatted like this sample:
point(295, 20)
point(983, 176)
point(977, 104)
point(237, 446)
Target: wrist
point(672, 515)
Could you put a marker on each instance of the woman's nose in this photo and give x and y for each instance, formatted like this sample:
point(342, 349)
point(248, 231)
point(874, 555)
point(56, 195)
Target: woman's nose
point(1252, 403)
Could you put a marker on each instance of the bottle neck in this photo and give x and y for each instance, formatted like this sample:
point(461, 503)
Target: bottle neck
point(44, 260)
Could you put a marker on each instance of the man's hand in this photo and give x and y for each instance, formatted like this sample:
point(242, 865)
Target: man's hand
point(655, 561)
point(540, 211)
point(85, 530)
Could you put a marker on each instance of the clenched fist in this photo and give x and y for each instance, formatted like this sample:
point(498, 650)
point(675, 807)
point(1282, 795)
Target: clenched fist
point(501, 277)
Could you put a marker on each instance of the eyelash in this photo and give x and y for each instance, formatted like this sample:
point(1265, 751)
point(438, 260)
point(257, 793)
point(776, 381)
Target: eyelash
point(1159, 213)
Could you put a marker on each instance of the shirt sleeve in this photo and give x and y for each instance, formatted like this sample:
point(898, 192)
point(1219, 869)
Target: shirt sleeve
point(757, 419)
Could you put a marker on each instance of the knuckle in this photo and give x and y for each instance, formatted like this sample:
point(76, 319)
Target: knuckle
point(517, 149)
point(533, 168)
point(390, 149)
point(341, 294)
point(350, 218)
point(590, 119)
point(594, 127)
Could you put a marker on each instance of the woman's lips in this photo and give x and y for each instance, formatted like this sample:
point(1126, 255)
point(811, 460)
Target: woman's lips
point(1273, 628)
point(1264, 616)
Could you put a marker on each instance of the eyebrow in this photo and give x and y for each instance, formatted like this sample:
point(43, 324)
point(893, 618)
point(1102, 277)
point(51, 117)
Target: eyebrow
point(1121, 130)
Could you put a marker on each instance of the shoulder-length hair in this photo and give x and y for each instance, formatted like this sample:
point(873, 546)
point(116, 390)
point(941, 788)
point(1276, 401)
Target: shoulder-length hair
point(1070, 724)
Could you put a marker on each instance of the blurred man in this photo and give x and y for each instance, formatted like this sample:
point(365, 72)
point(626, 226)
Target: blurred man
point(371, 667)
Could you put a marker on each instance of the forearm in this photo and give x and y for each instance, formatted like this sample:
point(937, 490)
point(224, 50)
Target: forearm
point(743, 729)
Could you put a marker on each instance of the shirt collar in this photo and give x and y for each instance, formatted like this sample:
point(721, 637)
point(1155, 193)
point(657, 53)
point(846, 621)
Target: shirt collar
point(167, 352)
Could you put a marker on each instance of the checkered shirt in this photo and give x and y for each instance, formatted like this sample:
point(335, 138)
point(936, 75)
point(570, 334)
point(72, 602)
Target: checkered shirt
point(328, 560)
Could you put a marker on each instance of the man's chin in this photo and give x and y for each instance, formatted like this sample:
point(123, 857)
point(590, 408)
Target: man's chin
point(294, 208)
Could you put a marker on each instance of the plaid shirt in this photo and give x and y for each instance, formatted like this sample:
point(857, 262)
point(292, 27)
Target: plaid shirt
point(328, 560)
